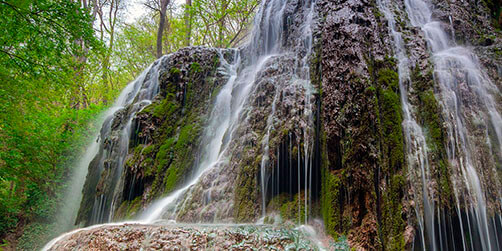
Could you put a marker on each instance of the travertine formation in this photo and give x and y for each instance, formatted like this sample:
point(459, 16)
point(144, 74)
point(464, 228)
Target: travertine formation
point(315, 115)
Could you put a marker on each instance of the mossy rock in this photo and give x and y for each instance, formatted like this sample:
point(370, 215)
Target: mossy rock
point(294, 210)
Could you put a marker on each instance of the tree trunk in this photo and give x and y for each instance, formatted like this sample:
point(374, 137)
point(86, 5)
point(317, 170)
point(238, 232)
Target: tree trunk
point(163, 9)
point(188, 22)
point(221, 23)
point(82, 59)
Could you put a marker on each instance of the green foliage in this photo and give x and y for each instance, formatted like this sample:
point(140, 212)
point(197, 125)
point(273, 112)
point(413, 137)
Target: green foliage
point(134, 48)
point(220, 23)
point(223, 23)
point(33, 189)
point(45, 113)
point(39, 37)
point(34, 235)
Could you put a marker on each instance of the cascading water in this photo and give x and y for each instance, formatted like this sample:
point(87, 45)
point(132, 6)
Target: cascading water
point(416, 145)
point(261, 126)
point(114, 141)
point(223, 118)
point(466, 96)
point(232, 109)
point(73, 195)
point(300, 78)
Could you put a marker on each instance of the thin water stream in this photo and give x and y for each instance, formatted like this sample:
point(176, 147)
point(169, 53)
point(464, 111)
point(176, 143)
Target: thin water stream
point(461, 80)
point(416, 145)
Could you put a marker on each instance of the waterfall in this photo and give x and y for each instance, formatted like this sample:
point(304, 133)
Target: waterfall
point(416, 145)
point(301, 76)
point(278, 53)
point(223, 119)
point(137, 94)
point(232, 107)
point(73, 194)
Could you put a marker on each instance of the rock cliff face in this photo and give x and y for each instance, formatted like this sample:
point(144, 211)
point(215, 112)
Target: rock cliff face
point(321, 133)
point(163, 142)
point(363, 177)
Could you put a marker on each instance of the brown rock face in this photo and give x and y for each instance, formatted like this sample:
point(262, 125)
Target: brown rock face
point(355, 45)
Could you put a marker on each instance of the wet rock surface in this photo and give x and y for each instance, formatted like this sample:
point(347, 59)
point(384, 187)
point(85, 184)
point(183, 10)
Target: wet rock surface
point(274, 111)
point(185, 237)
point(130, 171)
point(469, 24)
point(355, 48)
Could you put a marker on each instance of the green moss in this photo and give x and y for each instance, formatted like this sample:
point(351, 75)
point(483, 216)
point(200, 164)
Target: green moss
point(174, 157)
point(175, 122)
point(186, 137)
point(497, 51)
point(277, 201)
point(195, 67)
point(391, 154)
point(246, 184)
point(429, 114)
point(429, 117)
point(134, 207)
point(392, 219)
point(165, 109)
point(444, 180)
point(180, 131)
point(216, 61)
point(129, 209)
point(370, 91)
point(330, 204)
point(294, 210)
point(390, 115)
point(174, 71)
point(388, 78)
point(171, 179)
point(165, 153)
point(148, 149)
point(215, 91)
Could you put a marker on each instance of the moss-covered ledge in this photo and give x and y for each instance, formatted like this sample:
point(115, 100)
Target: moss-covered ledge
point(167, 133)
